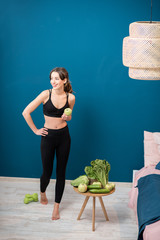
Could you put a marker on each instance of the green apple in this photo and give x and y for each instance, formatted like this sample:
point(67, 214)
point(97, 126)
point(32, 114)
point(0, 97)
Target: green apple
point(113, 185)
point(108, 187)
point(82, 187)
point(68, 111)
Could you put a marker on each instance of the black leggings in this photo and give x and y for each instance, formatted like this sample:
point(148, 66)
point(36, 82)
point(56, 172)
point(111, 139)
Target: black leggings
point(59, 140)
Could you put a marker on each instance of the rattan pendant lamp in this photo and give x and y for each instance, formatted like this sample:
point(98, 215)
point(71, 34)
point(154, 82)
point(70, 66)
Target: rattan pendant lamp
point(141, 50)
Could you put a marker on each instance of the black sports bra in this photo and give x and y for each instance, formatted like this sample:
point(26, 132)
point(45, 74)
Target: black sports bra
point(50, 110)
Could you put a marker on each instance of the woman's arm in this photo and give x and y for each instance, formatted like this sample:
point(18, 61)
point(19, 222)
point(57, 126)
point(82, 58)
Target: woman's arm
point(30, 108)
point(71, 105)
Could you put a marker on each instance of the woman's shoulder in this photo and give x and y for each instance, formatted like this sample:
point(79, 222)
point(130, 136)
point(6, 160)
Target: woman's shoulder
point(71, 96)
point(45, 92)
point(44, 95)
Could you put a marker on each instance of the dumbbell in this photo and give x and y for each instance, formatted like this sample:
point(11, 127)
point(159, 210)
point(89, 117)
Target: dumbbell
point(29, 198)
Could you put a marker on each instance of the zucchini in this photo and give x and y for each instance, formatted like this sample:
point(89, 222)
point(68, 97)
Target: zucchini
point(101, 190)
point(94, 186)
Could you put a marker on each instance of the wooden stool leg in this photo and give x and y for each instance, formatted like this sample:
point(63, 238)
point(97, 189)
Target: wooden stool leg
point(103, 208)
point(83, 206)
point(93, 214)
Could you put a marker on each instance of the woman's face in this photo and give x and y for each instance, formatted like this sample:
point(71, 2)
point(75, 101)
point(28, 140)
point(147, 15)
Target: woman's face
point(56, 81)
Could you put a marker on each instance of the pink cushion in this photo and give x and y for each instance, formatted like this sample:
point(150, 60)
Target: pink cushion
point(151, 148)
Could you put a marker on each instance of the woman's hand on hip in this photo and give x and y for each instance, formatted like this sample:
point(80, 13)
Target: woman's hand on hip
point(42, 131)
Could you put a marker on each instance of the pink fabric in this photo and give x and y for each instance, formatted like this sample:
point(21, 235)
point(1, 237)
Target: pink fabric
point(151, 148)
point(133, 194)
point(152, 231)
point(151, 158)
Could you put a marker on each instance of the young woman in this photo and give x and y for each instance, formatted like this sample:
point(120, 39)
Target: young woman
point(55, 135)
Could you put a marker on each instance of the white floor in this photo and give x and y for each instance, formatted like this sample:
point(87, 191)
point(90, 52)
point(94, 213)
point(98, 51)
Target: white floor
point(33, 221)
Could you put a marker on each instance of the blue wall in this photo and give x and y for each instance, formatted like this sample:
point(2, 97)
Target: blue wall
point(111, 110)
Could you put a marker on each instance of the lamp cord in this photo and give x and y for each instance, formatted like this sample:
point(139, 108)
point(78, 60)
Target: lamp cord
point(151, 12)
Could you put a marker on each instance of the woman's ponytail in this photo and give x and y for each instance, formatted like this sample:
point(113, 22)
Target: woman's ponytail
point(68, 87)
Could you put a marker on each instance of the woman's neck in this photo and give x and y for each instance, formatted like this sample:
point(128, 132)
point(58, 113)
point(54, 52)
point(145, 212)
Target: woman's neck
point(58, 91)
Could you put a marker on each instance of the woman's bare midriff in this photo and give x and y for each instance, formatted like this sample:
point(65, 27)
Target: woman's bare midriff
point(54, 123)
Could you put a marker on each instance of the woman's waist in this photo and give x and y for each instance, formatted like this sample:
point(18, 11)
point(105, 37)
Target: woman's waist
point(54, 123)
point(55, 132)
point(57, 129)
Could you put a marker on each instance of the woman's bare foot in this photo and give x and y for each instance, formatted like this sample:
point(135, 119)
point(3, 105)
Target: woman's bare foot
point(44, 199)
point(55, 214)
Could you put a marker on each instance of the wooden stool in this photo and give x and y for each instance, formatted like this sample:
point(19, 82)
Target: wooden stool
point(94, 195)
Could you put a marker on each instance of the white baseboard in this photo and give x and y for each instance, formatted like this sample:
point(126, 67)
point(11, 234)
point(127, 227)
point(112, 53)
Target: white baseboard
point(133, 176)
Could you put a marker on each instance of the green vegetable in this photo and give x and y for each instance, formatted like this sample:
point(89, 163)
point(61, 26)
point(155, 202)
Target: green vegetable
point(102, 190)
point(90, 173)
point(81, 179)
point(94, 186)
point(110, 186)
point(107, 169)
point(96, 183)
point(82, 187)
point(113, 185)
point(98, 170)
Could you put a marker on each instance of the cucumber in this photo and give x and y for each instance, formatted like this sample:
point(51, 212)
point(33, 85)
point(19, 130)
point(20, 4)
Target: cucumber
point(102, 190)
point(94, 186)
